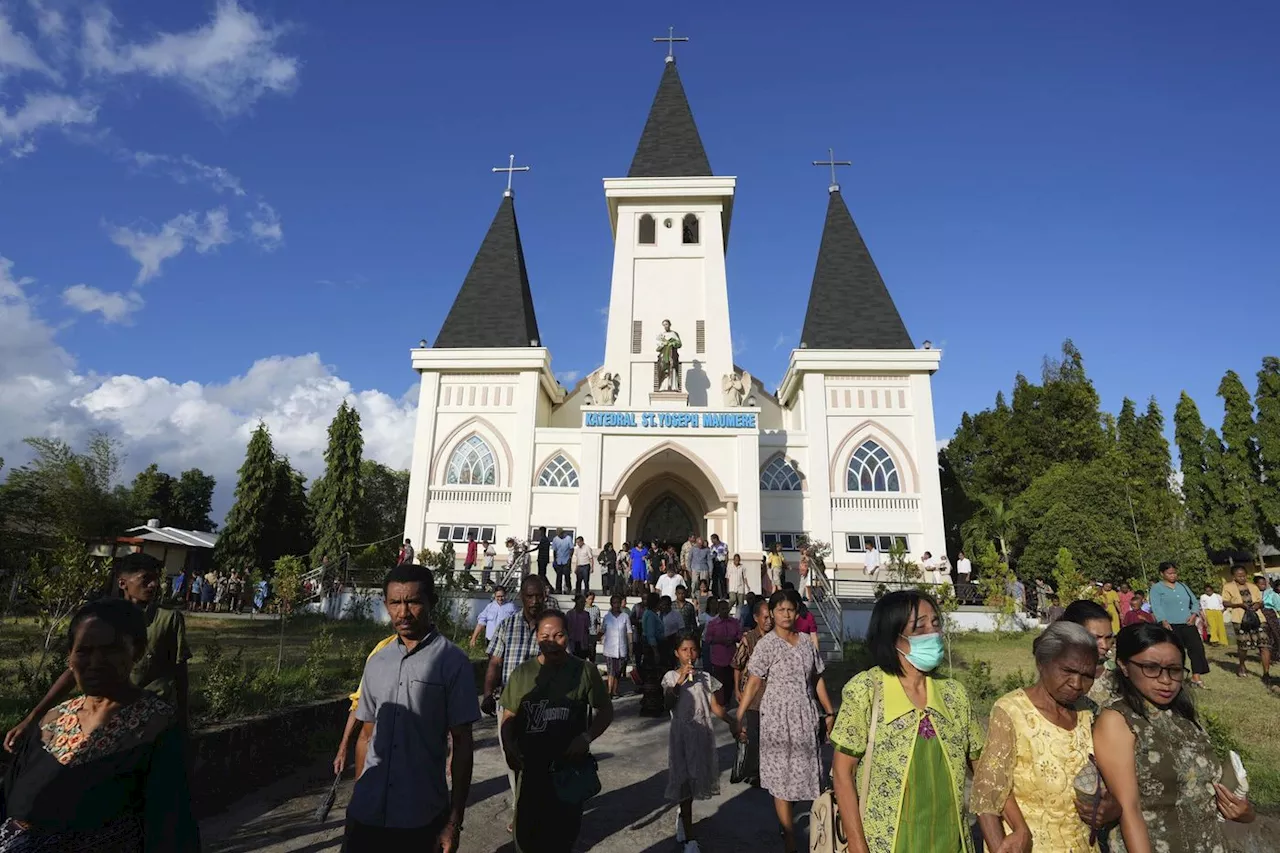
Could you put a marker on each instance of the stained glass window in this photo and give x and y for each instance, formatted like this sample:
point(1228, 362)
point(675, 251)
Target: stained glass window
point(472, 464)
point(872, 470)
point(559, 473)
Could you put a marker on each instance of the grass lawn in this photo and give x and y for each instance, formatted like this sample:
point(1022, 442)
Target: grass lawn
point(1236, 709)
point(335, 649)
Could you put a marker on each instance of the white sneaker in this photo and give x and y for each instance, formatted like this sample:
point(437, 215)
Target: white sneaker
point(680, 830)
point(692, 847)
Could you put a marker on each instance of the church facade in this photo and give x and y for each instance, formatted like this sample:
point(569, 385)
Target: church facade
point(670, 435)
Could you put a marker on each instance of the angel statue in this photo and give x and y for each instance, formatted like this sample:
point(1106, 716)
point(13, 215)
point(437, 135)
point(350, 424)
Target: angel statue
point(736, 387)
point(668, 359)
point(605, 387)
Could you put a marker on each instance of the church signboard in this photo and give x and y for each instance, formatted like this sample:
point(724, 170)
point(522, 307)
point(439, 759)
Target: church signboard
point(621, 420)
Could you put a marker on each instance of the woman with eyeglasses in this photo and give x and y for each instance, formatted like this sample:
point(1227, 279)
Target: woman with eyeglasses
point(1154, 755)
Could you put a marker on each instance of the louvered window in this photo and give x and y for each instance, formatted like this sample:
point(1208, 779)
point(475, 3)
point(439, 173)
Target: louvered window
point(700, 337)
point(635, 337)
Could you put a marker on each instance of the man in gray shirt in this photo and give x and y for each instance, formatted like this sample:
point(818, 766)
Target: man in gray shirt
point(415, 694)
point(700, 562)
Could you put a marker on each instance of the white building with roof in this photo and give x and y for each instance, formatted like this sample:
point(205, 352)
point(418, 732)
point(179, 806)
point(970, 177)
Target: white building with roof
point(844, 451)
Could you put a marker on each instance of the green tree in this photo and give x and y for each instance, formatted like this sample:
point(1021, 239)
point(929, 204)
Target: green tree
point(243, 542)
point(995, 522)
point(193, 501)
point(336, 501)
point(290, 529)
point(63, 495)
point(286, 594)
point(1241, 469)
point(1199, 451)
point(152, 496)
point(382, 508)
point(1267, 399)
point(60, 582)
point(1068, 581)
point(1080, 506)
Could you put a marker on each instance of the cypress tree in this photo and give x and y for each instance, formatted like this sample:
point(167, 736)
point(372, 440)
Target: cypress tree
point(337, 501)
point(1268, 435)
point(242, 544)
point(1189, 433)
point(1240, 467)
point(288, 531)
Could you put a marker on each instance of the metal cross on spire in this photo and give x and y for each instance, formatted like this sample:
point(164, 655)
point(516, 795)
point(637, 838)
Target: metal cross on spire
point(671, 38)
point(511, 168)
point(832, 162)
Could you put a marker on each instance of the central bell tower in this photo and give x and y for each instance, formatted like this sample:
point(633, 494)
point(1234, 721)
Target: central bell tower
point(670, 219)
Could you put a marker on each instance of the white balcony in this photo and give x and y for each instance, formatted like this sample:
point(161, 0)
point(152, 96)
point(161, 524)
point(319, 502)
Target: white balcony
point(876, 503)
point(468, 495)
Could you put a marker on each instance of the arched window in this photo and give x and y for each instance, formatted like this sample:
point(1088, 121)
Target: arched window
point(472, 464)
point(559, 473)
point(779, 476)
point(648, 230)
point(690, 230)
point(872, 470)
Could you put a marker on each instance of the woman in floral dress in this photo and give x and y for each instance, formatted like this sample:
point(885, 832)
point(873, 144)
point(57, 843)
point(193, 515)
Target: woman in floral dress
point(1036, 745)
point(790, 724)
point(1155, 757)
point(103, 772)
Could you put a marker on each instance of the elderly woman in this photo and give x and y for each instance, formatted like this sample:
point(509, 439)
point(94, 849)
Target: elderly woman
point(790, 724)
point(104, 771)
point(1155, 756)
point(905, 738)
point(1037, 743)
point(547, 730)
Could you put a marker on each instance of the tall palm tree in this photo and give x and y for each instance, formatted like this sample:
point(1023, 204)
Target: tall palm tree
point(994, 521)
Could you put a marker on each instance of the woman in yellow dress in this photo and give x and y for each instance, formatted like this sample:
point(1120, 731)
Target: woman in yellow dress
point(1036, 744)
point(1111, 601)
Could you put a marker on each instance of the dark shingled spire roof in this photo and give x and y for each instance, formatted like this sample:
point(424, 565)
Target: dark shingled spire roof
point(849, 306)
point(494, 308)
point(670, 146)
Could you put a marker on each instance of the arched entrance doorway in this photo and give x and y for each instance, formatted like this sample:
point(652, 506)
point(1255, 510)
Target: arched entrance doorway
point(668, 519)
point(666, 495)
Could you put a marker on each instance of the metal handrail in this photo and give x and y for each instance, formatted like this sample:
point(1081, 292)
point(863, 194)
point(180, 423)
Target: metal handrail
point(829, 604)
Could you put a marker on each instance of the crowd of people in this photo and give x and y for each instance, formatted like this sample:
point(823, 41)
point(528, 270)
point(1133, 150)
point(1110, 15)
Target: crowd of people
point(1105, 751)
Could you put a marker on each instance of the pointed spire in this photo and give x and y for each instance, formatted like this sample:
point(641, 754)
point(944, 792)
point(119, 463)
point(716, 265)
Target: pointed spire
point(670, 146)
point(494, 308)
point(849, 305)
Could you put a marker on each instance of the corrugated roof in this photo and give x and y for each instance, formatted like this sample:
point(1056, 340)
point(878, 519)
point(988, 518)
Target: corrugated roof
point(849, 304)
point(175, 536)
point(494, 307)
point(670, 146)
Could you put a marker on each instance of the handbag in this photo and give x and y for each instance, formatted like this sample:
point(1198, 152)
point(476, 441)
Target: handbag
point(826, 831)
point(577, 782)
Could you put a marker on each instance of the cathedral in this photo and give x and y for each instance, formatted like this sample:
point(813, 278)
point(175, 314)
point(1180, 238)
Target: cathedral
point(669, 436)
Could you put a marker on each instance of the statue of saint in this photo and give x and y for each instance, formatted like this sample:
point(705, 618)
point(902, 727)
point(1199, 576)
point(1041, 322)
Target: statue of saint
point(736, 387)
point(668, 359)
point(605, 387)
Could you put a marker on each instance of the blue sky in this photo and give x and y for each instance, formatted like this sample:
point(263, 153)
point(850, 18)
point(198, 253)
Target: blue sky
point(214, 212)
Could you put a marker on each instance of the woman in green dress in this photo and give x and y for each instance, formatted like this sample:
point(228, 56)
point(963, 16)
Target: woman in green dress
point(1156, 758)
point(920, 731)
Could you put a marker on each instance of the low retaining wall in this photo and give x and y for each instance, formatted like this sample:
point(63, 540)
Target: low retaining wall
point(231, 759)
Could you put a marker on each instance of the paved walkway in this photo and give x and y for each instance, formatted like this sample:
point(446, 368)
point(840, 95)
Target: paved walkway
point(629, 816)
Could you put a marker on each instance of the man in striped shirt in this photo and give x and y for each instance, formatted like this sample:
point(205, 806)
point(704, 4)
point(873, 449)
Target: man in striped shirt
point(515, 641)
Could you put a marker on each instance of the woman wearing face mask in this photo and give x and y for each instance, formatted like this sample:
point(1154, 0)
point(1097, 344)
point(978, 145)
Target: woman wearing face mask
point(905, 738)
point(1037, 743)
point(545, 731)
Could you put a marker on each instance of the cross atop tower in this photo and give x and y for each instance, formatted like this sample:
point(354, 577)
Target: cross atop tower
point(832, 162)
point(671, 38)
point(511, 168)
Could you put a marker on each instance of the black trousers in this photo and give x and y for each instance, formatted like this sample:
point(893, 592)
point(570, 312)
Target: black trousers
point(563, 583)
point(542, 569)
point(1189, 635)
point(363, 838)
point(544, 824)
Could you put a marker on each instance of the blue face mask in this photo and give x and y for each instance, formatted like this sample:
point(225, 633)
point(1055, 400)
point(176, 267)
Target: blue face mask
point(926, 651)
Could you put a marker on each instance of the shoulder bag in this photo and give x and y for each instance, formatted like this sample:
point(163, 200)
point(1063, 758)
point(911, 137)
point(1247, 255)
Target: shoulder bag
point(826, 831)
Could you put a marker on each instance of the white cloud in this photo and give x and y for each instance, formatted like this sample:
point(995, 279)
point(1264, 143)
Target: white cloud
point(114, 307)
point(187, 170)
point(265, 228)
point(49, 21)
point(39, 111)
point(229, 62)
point(568, 377)
point(151, 249)
point(17, 52)
point(180, 424)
